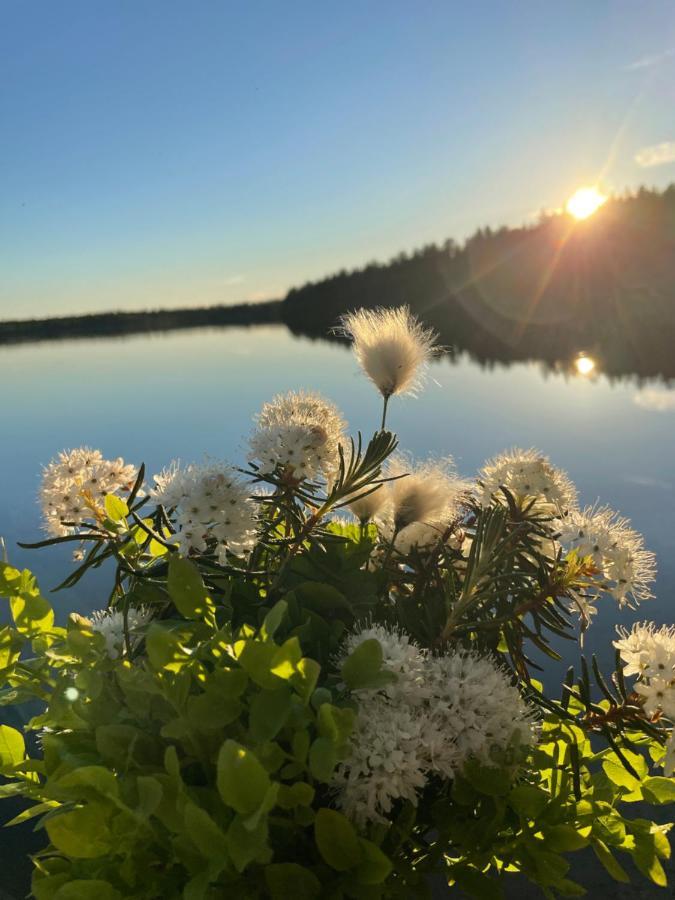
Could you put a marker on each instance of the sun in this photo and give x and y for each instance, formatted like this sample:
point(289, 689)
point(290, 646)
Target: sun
point(584, 202)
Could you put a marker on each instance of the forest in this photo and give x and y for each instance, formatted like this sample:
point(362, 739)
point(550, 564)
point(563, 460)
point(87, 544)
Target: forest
point(604, 286)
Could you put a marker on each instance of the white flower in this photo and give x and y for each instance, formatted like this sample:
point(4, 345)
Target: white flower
point(429, 493)
point(386, 761)
point(74, 486)
point(440, 713)
point(619, 563)
point(110, 623)
point(299, 432)
point(647, 651)
point(482, 715)
point(658, 696)
point(392, 347)
point(211, 502)
point(530, 477)
point(400, 655)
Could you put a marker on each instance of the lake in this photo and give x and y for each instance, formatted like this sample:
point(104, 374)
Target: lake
point(182, 395)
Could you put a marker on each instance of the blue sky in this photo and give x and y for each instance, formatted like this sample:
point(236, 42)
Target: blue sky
point(168, 153)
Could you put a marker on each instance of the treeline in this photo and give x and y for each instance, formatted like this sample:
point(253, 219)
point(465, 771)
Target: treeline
point(123, 323)
point(604, 286)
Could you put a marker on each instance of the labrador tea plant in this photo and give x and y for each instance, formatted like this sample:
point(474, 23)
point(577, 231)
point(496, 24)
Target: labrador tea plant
point(313, 676)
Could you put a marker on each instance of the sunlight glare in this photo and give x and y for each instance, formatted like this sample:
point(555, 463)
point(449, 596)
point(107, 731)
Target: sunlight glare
point(584, 364)
point(584, 202)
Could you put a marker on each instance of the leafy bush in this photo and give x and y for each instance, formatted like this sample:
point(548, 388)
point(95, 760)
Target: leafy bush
point(279, 702)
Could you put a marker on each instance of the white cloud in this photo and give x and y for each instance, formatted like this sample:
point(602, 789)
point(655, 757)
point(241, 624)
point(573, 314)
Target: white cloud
point(648, 62)
point(234, 279)
point(656, 155)
point(655, 399)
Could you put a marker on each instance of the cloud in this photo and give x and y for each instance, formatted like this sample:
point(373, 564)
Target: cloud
point(656, 154)
point(648, 62)
point(655, 399)
point(234, 279)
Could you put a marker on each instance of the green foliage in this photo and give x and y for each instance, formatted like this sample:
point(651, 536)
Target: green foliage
point(198, 759)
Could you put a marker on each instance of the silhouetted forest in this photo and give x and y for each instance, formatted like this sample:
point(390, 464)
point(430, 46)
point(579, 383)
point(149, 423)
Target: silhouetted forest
point(604, 286)
point(122, 323)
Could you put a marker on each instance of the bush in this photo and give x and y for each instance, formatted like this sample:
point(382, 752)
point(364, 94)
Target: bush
point(280, 702)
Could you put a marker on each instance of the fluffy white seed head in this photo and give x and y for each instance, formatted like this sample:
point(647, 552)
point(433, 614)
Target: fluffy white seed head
point(368, 507)
point(210, 503)
point(430, 492)
point(300, 433)
point(529, 476)
point(74, 487)
point(619, 563)
point(392, 347)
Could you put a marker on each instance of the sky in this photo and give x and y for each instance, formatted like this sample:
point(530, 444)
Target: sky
point(164, 153)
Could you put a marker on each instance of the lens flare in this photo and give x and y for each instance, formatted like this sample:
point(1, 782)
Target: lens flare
point(584, 364)
point(584, 202)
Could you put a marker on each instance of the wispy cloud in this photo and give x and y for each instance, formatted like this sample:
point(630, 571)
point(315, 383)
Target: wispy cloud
point(656, 155)
point(234, 279)
point(655, 399)
point(648, 62)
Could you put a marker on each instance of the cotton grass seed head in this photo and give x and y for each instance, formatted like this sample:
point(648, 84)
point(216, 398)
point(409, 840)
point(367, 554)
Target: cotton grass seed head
point(392, 346)
point(430, 492)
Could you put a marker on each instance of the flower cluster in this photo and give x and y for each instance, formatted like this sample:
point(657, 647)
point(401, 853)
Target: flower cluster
point(530, 478)
point(110, 623)
point(439, 714)
point(649, 653)
point(298, 433)
point(617, 562)
point(74, 486)
point(210, 503)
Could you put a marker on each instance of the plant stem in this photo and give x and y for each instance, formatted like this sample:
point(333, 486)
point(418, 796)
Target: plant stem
point(384, 411)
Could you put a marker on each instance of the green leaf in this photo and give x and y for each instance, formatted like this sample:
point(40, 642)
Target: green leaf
point(528, 801)
point(256, 658)
point(658, 789)
point(30, 610)
point(87, 889)
point(273, 620)
point(204, 833)
point(363, 667)
point(477, 884)
point(647, 861)
point(12, 746)
point(285, 661)
point(268, 713)
point(82, 833)
point(116, 509)
point(187, 589)
point(85, 781)
point(305, 678)
point(32, 811)
point(605, 856)
point(487, 780)
point(337, 841)
point(165, 649)
point(618, 775)
point(322, 759)
point(376, 865)
point(242, 780)
point(298, 794)
point(285, 880)
point(150, 793)
point(245, 845)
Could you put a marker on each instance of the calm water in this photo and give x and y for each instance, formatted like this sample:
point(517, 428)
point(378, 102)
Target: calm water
point(154, 398)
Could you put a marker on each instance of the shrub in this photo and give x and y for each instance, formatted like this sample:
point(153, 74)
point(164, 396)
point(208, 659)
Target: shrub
point(279, 702)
